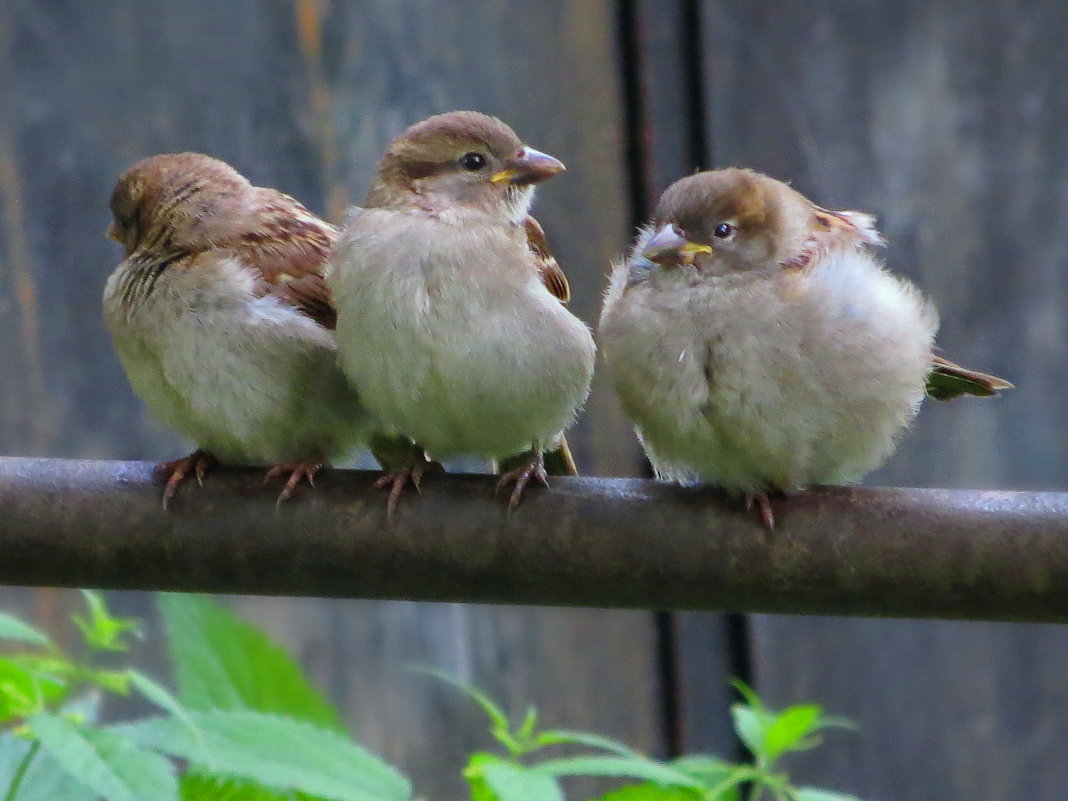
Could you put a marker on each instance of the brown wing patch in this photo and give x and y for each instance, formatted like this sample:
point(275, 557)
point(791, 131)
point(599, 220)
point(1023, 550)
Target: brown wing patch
point(289, 250)
point(835, 228)
point(948, 380)
point(551, 274)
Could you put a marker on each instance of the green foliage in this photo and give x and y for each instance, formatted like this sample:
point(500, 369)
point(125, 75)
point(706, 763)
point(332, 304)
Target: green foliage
point(221, 662)
point(103, 632)
point(245, 725)
point(276, 752)
point(517, 773)
point(12, 628)
point(195, 786)
point(112, 766)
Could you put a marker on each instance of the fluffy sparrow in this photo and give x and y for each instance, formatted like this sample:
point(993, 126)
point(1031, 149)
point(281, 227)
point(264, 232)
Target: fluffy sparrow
point(757, 343)
point(451, 317)
point(221, 318)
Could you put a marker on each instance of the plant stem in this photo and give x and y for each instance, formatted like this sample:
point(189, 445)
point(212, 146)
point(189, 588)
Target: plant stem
point(21, 772)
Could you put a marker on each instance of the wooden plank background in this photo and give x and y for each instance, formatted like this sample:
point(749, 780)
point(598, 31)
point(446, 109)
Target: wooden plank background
point(945, 119)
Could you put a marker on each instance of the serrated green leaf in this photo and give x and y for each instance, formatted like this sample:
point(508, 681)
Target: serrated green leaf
point(111, 765)
point(750, 728)
point(816, 794)
point(203, 787)
point(657, 792)
point(274, 751)
point(621, 767)
point(495, 779)
point(43, 780)
point(221, 662)
point(11, 628)
point(789, 728)
point(568, 737)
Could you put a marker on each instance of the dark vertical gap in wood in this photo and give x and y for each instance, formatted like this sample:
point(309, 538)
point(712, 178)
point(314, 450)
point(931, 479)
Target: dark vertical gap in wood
point(700, 138)
point(668, 666)
point(637, 161)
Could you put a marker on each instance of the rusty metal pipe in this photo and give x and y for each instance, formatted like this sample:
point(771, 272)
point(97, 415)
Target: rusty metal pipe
point(587, 542)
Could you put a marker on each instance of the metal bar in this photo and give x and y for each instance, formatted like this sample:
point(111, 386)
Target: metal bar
point(585, 542)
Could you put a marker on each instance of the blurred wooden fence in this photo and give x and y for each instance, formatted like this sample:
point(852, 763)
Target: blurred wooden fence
point(946, 119)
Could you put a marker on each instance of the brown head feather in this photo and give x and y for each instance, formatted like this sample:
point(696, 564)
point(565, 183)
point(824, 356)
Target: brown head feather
point(187, 204)
point(460, 159)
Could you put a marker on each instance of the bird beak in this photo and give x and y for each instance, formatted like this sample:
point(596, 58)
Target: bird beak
point(668, 247)
point(113, 233)
point(529, 167)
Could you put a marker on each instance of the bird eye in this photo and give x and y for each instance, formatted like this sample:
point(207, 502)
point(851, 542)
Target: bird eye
point(723, 230)
point(472, 161)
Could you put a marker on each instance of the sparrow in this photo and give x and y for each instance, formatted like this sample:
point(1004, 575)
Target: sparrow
point(452, 322)
point(757, 343)
point(221, 318)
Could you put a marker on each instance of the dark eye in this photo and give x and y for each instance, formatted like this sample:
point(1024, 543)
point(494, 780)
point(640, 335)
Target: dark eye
point(472, 161)
point(723, 230)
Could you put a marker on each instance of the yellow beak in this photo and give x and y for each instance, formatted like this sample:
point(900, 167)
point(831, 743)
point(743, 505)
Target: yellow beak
point(668, 247)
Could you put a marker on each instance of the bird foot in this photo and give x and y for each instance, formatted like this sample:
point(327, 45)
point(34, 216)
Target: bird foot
point(175, 472)
point(767, 517)
point(397, 478)
point(533, 468)
point(299, 470)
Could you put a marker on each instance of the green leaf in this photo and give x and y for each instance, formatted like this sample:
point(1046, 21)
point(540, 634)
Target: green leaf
point(492, 710)
point(24, 691)
point(161, 697)
point(790, 727)
point(568, 737)
point(203, 787)
point(44, 780)
point(707, 769)
point(101, 631)
point(473, 774)
point(11, 628)
point(631, 768)
point(750, 728)
point(499, 726)
point(750, 696)
point(276, 752)
point(495, 779)
point(656, 792)
point(109, 764)
point(115, 681)
point(815, 794)
point(529, 724)
point(734, 778)
point(221, 662)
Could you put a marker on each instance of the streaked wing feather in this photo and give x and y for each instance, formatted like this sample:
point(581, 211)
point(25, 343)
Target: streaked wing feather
point(551, 275)
point(289, 251)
